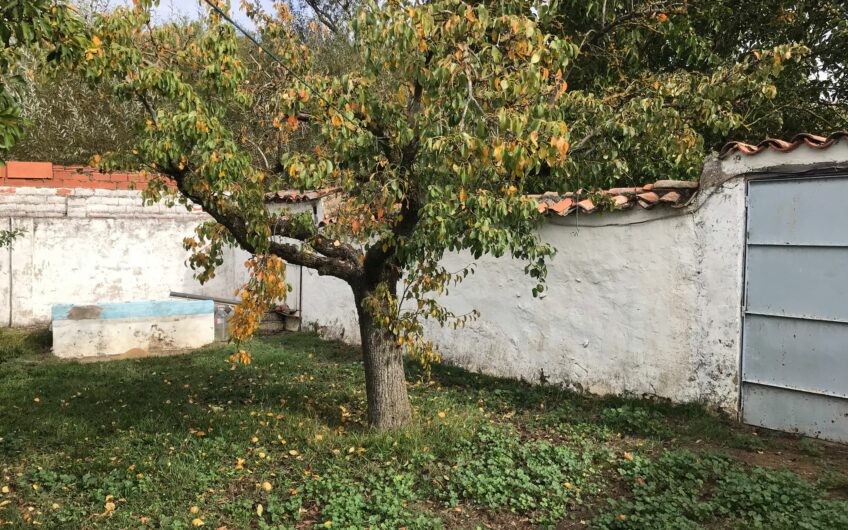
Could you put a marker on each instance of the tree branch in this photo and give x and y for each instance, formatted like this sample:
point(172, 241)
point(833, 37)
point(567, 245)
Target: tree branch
point(284, 227)
point(323, 16)
point(291, 253)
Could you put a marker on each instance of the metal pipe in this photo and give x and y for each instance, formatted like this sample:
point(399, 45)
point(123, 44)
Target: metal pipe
point(190, 296)
point(300, 301)
point(11, 299)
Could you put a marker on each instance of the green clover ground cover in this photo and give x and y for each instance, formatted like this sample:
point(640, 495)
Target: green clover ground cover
point(189, 441)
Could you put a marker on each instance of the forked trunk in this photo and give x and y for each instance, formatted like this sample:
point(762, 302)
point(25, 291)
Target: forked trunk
point(385, 383)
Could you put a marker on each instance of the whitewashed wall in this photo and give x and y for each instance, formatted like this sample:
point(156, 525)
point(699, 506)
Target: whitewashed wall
point(638, 301)
point(96, 246)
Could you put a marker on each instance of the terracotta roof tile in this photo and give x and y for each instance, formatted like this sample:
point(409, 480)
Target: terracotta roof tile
point(586, 205)
point(783, 146)
point(674, 193)
point(650, 197)
point(621, 200)
point(671, 197)
point(561, 206)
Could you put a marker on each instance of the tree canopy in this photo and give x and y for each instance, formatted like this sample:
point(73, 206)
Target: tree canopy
point(430, 137)
point(701, 69)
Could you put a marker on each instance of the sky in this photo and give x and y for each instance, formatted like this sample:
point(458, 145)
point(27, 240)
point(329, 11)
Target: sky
point(193, 9)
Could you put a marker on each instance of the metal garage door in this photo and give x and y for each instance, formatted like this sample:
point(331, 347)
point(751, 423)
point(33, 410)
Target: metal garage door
point(795, 342)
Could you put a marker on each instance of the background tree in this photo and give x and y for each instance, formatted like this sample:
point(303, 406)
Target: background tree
point(660, 83)
point(47, 27)
point(44, 27)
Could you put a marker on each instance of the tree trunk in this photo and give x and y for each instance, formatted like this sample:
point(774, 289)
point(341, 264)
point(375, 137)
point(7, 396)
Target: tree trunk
point(385, 383)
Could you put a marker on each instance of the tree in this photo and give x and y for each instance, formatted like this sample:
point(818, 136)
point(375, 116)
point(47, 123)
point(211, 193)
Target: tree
point(702, 56)
point(51, 29)
point(450, 109)
point(48, 28)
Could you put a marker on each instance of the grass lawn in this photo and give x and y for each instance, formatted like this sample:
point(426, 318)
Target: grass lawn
point(185, 441)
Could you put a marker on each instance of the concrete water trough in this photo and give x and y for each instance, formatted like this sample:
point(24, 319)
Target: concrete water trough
point(132, 328)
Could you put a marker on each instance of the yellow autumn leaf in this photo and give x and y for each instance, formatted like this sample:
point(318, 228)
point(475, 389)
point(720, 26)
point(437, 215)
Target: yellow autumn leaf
point(462, 195)
point(197, 521)
point(498, 153)
point(266, 486)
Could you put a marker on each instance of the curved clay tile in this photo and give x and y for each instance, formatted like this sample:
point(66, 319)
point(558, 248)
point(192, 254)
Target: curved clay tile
point(783, 146)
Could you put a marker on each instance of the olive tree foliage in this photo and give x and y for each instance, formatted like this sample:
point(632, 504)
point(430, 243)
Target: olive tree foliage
point(48, 28)
point(69, 121)
point(431, 135)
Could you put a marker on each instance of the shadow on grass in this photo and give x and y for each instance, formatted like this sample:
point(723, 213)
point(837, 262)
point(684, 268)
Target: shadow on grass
point(292, 373)
point(649, 417)
point(24, 343)
point(60, 404)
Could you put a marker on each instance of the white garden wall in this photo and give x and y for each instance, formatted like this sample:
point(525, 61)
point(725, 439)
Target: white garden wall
point(638, 301)
point(91, 246)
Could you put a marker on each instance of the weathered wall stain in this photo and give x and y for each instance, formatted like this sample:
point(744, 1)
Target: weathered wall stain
point(82, 312)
